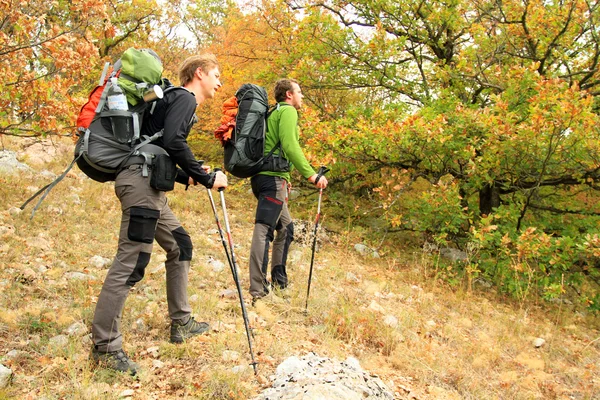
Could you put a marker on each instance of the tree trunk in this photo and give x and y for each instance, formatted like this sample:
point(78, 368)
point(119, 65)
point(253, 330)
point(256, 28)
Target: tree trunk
point(489, 198)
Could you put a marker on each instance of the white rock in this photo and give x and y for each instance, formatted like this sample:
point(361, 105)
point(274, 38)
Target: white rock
point(139, 325)
point(375, 306)
point(99, 262)
point(7, 230)
point(14, 211)
point(11, 355)
point(86, 340)
point(48, 174)
point(126, 393)
point(77, 329)
point(353, 363)
point(157, 364)
point(77, 276)
point(240, 369)
point(216, 265)
point(454, 255)
point(538, 342)
point(362, 249)
point(9, 163)
point(153, 351)
point(314, 377)
point(391, 320)
point(229, 293)
point(229, 355)
point(59, 340)
point(5, 376)
point(352, 278)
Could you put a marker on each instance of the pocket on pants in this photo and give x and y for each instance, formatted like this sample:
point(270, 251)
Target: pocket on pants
point(142, 224)
point(268, 210)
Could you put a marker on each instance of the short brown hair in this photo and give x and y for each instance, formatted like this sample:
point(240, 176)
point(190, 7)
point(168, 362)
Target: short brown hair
point(188, 68)
point(282, 86)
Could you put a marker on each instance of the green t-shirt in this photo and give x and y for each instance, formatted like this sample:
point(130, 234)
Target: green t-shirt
point(282, 127)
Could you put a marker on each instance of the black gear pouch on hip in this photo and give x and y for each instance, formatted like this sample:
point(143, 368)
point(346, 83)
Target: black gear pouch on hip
point(163, 174)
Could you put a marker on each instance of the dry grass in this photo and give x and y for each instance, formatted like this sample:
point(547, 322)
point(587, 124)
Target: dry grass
point(448, 343)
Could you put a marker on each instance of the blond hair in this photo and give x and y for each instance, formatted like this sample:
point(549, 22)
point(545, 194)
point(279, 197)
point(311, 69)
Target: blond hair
point(188, 68)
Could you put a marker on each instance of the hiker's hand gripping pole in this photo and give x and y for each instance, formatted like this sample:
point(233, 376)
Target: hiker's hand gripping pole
point(322, 171)
point(234, 269)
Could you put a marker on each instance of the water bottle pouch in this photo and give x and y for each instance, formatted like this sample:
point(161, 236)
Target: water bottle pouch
point(124, 125)
point(164, 172)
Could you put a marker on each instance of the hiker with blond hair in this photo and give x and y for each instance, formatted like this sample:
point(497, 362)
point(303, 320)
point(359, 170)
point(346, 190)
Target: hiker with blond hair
point(146, 217)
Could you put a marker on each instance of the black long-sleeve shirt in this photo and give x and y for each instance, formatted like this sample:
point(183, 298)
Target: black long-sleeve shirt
point(175, 115)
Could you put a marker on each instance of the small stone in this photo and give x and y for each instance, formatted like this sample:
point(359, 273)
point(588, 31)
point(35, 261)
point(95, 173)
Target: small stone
point(229, 294)
point(361, 249)
point(59, 340)
point(87, 340)
point(350, 277)
point(76, 329)
point(157, 364)
point(454, 255)
point(126, 393)
point(5, 376)
point(240, 369)
point(229, 355)
point(14, 354)
point(77, 276)
point(99, 262)
point(375, 306)
point(48, 174)
point(538, 342)
point(391, 321)
point(14, 211)
point(216, 265)
point(153, 351)
point(139, 325)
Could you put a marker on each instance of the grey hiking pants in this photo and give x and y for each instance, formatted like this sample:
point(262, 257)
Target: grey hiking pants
point(146, 216)
point(272, 216)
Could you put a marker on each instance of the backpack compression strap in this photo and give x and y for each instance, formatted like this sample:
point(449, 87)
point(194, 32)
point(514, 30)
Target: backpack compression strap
point(46, 189)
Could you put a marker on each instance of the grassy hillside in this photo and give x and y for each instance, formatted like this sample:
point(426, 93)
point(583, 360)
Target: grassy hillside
point(424, 339)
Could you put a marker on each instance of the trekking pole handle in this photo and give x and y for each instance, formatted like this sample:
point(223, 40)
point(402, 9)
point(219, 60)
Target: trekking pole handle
point(221, 188)
point(322, 171)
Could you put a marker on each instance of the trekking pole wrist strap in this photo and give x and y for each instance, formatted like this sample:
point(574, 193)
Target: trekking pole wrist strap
point(322, 171)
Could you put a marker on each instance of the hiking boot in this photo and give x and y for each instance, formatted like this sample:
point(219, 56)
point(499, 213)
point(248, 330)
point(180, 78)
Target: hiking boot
point(179, 333)
point(116, 360)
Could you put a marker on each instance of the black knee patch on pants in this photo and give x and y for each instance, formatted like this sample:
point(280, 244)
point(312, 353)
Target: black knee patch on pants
point(184, 241)
point(268, 210)
point(279, 277)
point(142, 224)
point(139, 270)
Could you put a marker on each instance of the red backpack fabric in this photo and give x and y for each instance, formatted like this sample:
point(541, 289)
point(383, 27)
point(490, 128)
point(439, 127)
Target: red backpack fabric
point(88, 110)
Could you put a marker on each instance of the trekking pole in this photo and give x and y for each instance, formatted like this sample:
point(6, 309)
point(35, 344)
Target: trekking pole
point(233, 265)
point(322, 171)
point(214, 208)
